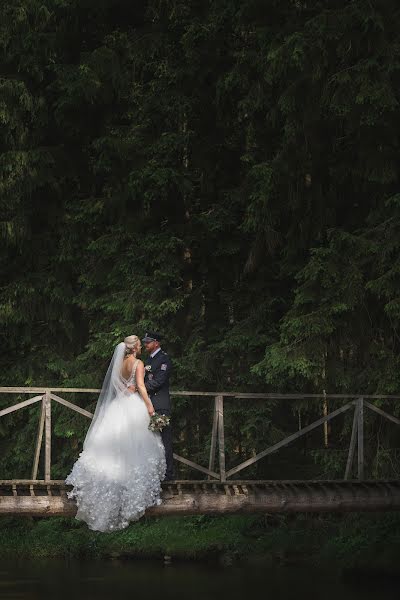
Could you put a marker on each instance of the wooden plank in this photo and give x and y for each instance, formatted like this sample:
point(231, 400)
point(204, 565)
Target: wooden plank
point(31, 481)
point(352, 446)
point(276, 396)
point(194, 465)
point(213, 437)
point(360, 441)
point(184, 393)
point(240, 395)
point(28, 390)
point(61, 482)
point(382, 412)
point(258, 395)
point(325, 412)
point(221, 437)
point(47, 455)
point(72, 406)
point(39, 439)
point(10, 409)
point(289, 439)
point(351, 497)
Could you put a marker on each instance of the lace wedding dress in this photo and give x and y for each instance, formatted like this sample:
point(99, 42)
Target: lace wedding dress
point(119, 472)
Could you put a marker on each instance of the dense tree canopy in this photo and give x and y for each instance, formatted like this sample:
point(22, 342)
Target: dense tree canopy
point(226, 172)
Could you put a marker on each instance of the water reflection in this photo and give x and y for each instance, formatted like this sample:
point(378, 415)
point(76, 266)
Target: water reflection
point(113, 580)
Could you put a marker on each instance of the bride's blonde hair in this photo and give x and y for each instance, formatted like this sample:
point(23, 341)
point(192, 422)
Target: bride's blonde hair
point(131, 343)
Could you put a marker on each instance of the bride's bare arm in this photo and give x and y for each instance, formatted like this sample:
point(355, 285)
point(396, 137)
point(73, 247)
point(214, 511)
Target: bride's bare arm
point(142, 388)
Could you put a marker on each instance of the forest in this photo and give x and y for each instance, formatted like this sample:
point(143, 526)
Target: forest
point(226, 173)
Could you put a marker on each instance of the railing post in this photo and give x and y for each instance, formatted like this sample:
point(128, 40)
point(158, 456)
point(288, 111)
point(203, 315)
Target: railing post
point(39, 439)
point(325, 413)
point(221, 436)
point(213, 437)
point(47, 455)
point(360, 441)
point(353, 440)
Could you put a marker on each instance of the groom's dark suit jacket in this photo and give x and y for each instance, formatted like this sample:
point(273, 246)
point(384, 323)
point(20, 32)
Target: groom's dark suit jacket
point(156, 380)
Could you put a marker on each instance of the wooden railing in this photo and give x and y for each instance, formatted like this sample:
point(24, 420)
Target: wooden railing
point(355, 402)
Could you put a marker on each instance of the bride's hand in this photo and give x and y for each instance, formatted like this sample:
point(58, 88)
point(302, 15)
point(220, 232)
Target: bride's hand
point(151, 410)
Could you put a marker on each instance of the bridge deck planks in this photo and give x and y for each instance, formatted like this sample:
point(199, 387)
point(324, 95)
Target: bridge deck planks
point(39, 498)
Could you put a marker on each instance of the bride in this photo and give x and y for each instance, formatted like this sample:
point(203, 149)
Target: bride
point(119, 472)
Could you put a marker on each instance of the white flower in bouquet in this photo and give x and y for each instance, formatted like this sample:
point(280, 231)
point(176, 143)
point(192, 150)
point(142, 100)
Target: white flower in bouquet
point(158, 422)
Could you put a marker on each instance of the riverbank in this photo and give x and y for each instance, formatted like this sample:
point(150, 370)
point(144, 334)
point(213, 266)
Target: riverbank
point(354, 542)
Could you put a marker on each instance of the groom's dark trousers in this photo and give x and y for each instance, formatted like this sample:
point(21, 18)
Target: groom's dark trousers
point(156, 380)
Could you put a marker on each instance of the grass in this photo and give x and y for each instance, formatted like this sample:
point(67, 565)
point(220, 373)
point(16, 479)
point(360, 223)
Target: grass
point(354, 541)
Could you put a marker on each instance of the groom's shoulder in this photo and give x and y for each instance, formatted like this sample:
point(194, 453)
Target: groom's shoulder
point(163, 357)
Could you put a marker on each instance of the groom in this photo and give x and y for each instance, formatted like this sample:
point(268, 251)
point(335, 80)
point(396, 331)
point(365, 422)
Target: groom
point(156, 379)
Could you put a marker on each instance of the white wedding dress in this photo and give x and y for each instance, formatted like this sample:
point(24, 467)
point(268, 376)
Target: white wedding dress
point(119, 472)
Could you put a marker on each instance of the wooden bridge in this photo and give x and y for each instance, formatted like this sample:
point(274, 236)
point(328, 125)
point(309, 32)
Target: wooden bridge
point(219, 493)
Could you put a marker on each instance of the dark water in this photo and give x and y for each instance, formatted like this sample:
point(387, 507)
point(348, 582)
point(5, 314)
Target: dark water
point(142, 580)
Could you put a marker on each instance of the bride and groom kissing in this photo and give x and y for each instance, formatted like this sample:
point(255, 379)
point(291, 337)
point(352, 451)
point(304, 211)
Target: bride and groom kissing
point(118, 473)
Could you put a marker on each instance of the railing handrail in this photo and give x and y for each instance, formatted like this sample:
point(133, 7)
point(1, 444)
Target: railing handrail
point(242, 395)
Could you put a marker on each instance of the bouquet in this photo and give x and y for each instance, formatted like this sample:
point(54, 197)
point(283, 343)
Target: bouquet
point(158, 422)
